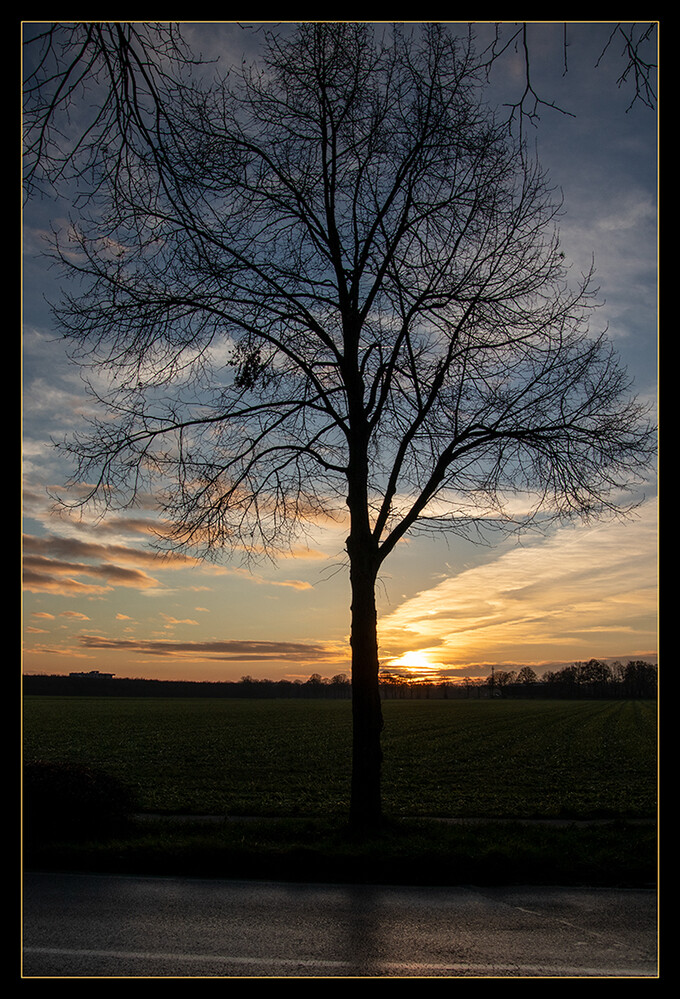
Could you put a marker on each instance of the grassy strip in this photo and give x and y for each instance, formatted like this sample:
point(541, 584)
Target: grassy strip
point(404, 852)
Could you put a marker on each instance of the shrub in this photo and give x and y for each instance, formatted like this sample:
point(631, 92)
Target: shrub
point(66, 801)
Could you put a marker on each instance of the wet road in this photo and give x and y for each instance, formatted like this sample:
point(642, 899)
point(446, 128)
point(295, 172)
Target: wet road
point(99, 926)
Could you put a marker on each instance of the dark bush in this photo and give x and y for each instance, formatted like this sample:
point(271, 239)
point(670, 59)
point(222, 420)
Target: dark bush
point(66, 801)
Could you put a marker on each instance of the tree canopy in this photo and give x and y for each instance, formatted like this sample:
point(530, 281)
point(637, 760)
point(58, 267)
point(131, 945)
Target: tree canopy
point(348, 225)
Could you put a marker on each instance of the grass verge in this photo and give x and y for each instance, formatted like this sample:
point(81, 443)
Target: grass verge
point(423, 852)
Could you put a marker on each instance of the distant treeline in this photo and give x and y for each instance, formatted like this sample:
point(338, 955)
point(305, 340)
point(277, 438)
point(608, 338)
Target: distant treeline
point(102, 686)
point(592, 679)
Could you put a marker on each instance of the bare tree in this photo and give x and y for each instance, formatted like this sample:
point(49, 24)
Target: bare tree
point(526, 675)
point(333, 283)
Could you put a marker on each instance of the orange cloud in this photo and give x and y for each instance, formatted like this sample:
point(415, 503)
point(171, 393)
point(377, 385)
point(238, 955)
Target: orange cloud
point(584, 592)
point(41, 582)
point(74, 548)
point(172, 621)
point(229, 650)
point(53, 575)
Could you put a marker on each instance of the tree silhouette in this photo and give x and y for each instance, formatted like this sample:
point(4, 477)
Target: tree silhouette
point(331, 283)
point(526, 675)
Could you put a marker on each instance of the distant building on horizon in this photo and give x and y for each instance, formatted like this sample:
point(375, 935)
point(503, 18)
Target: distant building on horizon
point(94, 674)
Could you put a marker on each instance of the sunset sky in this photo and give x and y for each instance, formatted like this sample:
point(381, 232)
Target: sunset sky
point(98, 597)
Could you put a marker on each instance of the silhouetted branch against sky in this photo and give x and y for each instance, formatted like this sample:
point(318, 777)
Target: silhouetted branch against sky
point(92, 90)
point(633, 44)
point(130, 67)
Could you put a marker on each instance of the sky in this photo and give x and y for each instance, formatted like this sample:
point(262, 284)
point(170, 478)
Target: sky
point(97, 596)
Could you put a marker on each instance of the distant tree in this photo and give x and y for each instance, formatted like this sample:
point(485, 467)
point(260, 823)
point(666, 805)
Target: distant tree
point(526, 675)
point(640, 679)
point(505, 677)
point(594, 673)
point(597, 679)
point(617, 670)
point(333, 285)
point(563, 682)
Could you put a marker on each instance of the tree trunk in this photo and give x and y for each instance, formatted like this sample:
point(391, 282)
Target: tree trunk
point(367, 722)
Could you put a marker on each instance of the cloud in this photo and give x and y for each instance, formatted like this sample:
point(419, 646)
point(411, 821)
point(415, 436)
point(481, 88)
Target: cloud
point(172, 621)
point(42, 582)
point(581, 592)
point(54, 564)
point(69, 547)
point(229, 650)
point(48, 559)
point(57, 576)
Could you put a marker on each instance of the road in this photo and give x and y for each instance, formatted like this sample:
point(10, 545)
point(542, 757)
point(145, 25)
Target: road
point(95, 926)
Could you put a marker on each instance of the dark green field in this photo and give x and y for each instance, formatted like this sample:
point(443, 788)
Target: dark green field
point(277, 774)
point(492, 759)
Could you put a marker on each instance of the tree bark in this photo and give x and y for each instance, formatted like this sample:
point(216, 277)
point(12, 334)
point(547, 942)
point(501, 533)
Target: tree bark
point(362, 548)
point(367, 721)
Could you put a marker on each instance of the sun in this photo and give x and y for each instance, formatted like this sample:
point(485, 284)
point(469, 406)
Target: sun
point(416, 663)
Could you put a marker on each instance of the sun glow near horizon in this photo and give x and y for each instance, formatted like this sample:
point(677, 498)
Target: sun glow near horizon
point(581, 592)
point(415, 665)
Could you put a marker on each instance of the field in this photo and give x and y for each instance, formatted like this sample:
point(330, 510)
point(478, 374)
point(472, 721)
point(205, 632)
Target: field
point(279, 758)
point(276, 771)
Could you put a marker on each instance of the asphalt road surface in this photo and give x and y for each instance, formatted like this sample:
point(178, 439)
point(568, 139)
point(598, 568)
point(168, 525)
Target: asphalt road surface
point(85, 926)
